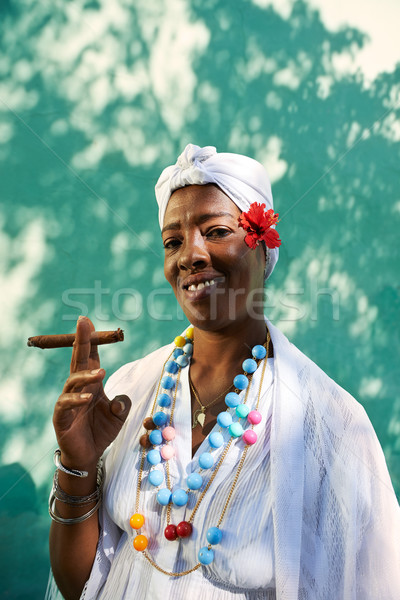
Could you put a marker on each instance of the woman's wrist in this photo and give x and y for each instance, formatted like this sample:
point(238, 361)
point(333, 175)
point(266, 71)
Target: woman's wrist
point(73, 466)
point(77, 485)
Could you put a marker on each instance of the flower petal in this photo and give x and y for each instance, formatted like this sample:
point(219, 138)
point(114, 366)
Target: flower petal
point(271, 238)
point(251, 241)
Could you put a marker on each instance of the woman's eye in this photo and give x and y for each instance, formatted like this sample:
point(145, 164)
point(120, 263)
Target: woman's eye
point(170, 244)
point(218, 232)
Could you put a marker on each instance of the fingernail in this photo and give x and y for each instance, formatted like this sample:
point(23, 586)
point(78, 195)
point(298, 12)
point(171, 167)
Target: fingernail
point(84, 396)
point(80, 317)
point(95, 371)
point(122, 405)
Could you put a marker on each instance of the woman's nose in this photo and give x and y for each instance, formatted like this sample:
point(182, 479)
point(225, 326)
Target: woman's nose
point(194, 253)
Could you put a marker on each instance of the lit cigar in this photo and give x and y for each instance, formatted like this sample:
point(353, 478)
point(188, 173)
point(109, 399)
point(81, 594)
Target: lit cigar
point(66, 340)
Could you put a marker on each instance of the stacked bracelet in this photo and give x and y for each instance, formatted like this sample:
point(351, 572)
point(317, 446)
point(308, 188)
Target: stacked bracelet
point(62, 496)
point(56, 517)
point(58, 494)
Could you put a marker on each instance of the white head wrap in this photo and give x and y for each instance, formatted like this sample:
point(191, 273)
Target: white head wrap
point(243, 179)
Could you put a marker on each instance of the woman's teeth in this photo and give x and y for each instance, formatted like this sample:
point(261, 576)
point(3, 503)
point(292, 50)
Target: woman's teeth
point(200, 286)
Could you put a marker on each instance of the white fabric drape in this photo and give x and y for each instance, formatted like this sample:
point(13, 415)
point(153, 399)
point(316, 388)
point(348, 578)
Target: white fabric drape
point(314, 516)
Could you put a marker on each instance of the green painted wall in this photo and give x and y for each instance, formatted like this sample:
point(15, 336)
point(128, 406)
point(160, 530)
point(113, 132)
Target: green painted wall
point(95, 99)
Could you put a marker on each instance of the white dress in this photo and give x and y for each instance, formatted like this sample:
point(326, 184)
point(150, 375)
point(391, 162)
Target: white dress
point(313, 516)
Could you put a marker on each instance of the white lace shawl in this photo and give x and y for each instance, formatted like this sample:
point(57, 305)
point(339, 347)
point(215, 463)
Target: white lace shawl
point(336, 520)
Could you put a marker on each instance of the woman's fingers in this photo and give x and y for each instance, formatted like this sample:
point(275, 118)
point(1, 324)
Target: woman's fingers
point(120, 406)
point(74, 400)
point(64, 413)
point(82, 346)
point(94, 359)
point(86, 423)
point(80, 379)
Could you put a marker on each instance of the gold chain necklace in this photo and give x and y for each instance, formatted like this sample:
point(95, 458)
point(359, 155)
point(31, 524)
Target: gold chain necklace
point(199, 416)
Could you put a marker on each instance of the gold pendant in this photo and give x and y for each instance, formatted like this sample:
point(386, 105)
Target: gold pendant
point(198, 418)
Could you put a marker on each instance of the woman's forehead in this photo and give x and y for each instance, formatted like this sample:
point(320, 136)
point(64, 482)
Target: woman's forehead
point(195, 200)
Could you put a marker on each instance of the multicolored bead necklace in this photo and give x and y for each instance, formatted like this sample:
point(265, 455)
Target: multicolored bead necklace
point(160, 432)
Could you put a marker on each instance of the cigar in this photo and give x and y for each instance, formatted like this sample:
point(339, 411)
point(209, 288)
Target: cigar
point(66, 340)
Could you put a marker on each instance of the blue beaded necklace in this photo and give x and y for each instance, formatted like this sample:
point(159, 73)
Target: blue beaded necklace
point(160, 434)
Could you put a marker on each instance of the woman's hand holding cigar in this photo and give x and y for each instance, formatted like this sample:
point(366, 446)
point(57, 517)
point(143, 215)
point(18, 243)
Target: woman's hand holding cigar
point(85, 420)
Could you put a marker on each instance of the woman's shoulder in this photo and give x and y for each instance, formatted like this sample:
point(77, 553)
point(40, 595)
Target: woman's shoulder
point(313, 383)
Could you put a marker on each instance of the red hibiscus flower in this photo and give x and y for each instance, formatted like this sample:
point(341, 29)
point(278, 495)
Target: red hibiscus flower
point(258, 224)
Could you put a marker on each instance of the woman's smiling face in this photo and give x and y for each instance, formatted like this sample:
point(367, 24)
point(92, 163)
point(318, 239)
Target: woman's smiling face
point(216, 278)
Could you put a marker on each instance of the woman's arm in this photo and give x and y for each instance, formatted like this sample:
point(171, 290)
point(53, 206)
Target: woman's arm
point(73, 547)
point(85, 422)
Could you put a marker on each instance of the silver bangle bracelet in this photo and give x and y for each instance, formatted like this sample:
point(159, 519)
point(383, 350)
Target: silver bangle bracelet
point(60, 466)
point(78, 500)
point(57, 519)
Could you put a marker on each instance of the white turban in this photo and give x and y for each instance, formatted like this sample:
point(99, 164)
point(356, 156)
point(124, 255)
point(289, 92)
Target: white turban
point(243, 179)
